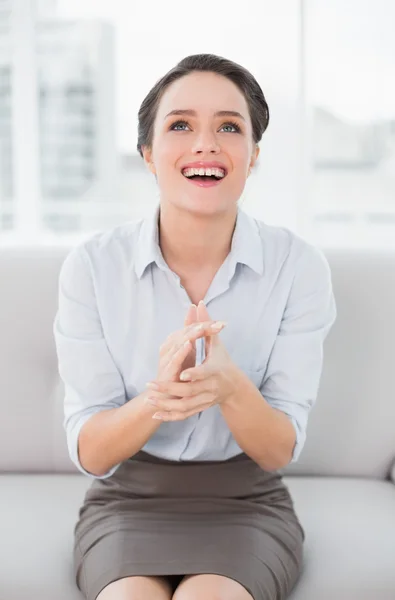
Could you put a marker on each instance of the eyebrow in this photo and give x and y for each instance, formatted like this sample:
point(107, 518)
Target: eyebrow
point(193, 113)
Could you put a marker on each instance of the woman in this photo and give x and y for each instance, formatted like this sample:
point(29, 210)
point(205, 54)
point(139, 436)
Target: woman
point(224, 318)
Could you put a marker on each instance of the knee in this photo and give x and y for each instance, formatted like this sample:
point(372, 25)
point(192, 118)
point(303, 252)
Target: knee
point(210, 587)
point(137, 588)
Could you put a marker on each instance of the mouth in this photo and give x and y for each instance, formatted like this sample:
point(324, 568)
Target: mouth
point(204, 177)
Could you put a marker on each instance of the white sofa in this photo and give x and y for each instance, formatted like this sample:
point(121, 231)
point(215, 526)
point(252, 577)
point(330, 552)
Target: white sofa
point(343, 485)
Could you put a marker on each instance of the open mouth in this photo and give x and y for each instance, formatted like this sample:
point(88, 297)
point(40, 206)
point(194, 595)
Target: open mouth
point(204, 176)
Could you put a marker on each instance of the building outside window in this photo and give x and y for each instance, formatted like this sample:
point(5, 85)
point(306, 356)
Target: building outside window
point(73, 74)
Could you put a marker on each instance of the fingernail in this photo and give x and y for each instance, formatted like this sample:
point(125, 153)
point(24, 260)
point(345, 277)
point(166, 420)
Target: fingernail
point(198, 327)
point(185, 376)
point(158, 416)
point(201, 303)
point(153, 386)
point(218, 325)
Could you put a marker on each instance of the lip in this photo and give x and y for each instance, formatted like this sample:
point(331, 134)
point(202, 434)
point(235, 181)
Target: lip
point(206, 184)
point(205, 164)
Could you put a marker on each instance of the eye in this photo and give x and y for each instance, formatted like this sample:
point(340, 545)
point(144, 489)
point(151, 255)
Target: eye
point(232, 124)
point(175, 126)
point(179, 126)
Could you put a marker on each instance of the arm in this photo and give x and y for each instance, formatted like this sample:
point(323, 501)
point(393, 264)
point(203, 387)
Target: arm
point(270, 424)
point(102, 427)
point(262, 432)
point(111, 436)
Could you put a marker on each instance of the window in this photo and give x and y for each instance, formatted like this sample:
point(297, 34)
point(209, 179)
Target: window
point(73, 75)
point(350, 62)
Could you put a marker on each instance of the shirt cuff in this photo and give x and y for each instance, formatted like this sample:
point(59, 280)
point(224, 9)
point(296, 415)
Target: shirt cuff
point(300, 439)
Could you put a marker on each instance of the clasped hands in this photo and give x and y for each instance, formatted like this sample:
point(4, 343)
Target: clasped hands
point(181, 389)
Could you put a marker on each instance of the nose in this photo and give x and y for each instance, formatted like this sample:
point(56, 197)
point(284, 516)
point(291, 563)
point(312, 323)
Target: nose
point(205, 142)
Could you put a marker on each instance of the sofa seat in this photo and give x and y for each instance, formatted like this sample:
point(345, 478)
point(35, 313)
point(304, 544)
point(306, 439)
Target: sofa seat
point(350, 538)
point(349, 546)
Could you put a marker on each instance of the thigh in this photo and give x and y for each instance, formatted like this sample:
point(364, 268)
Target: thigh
point(137, 588)
point(210, 587)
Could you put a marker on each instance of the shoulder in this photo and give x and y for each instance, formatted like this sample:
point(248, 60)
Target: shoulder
point(282, 247)
point(107, 248)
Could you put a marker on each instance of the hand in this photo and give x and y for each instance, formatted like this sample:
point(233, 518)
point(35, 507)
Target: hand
point(188, 356)
point(178, 350)
point(213, 382)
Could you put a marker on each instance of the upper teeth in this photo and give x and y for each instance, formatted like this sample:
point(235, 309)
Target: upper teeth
point(208, 172)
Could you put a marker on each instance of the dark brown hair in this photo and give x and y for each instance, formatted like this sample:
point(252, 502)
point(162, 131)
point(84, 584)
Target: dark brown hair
point(245, 81)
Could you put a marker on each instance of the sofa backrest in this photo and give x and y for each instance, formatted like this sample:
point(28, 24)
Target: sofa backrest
point(351, 429)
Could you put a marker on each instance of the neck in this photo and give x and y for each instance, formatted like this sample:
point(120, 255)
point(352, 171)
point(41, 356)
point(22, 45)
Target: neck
point(195, 242)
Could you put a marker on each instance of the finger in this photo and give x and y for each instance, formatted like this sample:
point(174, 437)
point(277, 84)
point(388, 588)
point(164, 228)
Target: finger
point(191, 316)
point(203, 315)
point(180, 405)
point(174, 350)
point(181, 390)
point(191, 333)
point(208, 328)
point(174, 361)
point(178, 416)
point(179, 337)
point(197, 374)
point(202, 312)
point(176, 339)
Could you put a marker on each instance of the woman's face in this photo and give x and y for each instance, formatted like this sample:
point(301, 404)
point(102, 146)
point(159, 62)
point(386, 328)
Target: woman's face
point(202, 135)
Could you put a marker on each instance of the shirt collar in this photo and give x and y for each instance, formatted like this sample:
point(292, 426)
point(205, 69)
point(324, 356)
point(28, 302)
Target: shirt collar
point(247, 245)
point(147, 249)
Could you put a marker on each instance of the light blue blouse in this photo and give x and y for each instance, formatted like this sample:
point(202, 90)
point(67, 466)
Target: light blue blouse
point(118, 302)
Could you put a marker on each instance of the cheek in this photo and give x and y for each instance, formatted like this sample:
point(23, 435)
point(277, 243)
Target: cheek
point(168, 152)
point(239, 152)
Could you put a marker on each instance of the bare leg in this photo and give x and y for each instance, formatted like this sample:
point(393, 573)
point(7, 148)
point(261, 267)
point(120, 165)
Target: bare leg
point(137, 588)
point(210, 587)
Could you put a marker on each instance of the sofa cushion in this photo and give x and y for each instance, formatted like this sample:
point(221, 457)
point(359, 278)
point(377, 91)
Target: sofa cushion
point(351, 429)
point(37, 517)
point(349, 546)
point(350, 538)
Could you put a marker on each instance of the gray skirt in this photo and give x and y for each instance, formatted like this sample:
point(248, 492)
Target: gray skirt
point(155, 517)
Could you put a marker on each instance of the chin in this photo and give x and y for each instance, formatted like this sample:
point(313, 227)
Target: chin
point(208, 206)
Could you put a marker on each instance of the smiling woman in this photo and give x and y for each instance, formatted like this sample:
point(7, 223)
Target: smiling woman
point(190, 387)
point(205, 109)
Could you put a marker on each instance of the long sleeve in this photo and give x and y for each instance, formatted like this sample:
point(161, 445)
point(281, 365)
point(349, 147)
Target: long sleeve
point(294, 368)
point(91, 379)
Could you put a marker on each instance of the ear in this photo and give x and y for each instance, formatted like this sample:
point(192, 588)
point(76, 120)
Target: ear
point(148, 159)
point(254, 158)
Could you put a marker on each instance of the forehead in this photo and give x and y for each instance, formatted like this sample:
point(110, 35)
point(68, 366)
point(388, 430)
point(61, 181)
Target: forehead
point(203, 92)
